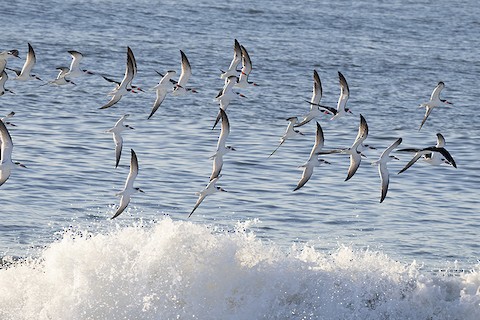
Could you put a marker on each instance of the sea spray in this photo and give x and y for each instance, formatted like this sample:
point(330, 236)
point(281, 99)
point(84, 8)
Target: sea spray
point(177, 270)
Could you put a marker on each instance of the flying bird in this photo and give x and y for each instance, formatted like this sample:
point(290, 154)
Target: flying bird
point(211, 188)
point(343, 98)
point(185, 74)
point(75, 71)
point(125, 85)
point(313, 160)
point(433, 158)
point(355, 150)
point(116, 130)
point(355, 154)
point(26, 72)
point(290, 132)
point(315, 106)
point(225, 96)
point(163, 87)
point(60, 80)
point(237, 58)
point(128, 189)
point(382, 166)
point(245, 71)
point(222, 148)
point(434, 101)
point(431, 154)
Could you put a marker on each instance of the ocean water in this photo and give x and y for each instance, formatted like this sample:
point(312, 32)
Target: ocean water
point(259, 251)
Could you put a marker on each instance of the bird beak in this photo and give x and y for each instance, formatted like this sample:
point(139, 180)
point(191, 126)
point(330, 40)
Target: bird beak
point(221, 189)
point(21, 165)
point(395, 158)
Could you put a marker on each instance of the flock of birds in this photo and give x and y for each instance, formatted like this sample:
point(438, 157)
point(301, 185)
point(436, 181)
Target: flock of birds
point(234, 78)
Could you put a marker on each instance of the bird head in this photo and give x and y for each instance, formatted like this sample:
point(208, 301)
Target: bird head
point(13, 53)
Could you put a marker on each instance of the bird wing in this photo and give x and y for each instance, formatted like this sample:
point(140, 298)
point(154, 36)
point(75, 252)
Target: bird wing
point(29, 62)
point(308, 117)
point(161, 94)
point(362, 133)
point(344, 92)
point(186, 70)
point(3, 64)
point(117, 138)
point(281, 142)
point(124, 201)
point(62, 71)
point(427, 113)
point(384, 176)
point(111, 80)
point(225, 130)
point(134, 61)
point(317, 90)
point(319, 142)
point(133, 170)
point(199, 201)
point(307, 173)
point(217, 167)
point(3, 79)
point(246, 62)
point(130, 70)
point(355, 159)
point(116, 97)
point(76, 58)
point(7, 144)
point(436, 92)
point(414, 159)
point(237, 58)
point(4, 175)
point(387, 151)
point(440, 141)
point(444, 152)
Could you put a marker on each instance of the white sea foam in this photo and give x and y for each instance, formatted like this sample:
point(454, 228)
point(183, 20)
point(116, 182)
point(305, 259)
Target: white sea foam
point(179, 270)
